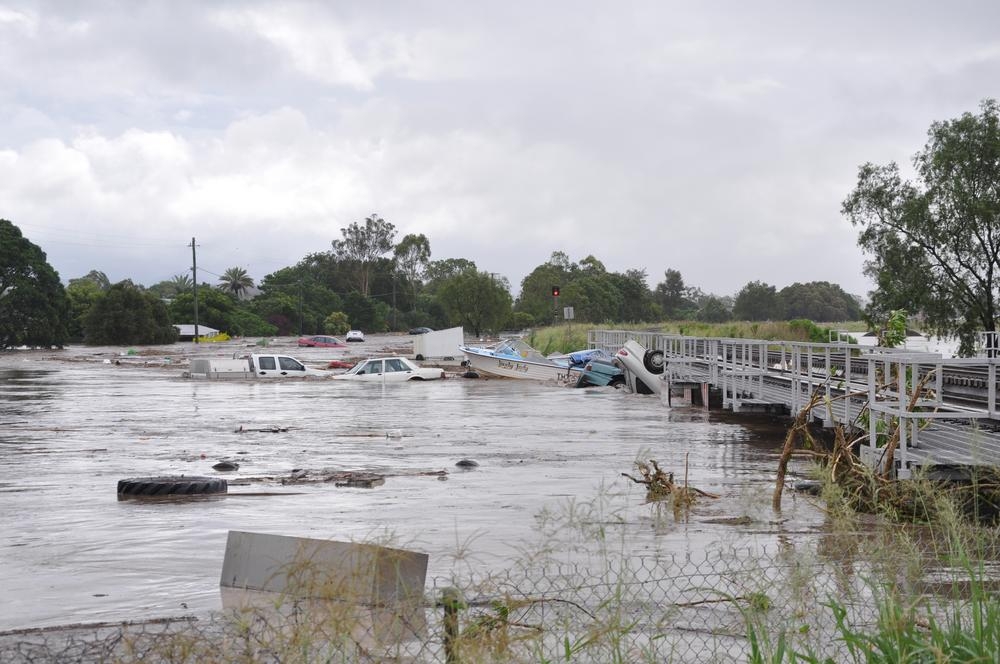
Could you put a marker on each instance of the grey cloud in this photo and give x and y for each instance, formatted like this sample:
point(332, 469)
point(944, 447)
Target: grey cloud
point(715, 139)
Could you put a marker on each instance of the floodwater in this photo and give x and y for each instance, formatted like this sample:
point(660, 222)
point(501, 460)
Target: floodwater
point(72, 425)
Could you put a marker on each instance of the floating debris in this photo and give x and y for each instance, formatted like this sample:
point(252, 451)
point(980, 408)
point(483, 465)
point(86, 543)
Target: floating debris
point(660, 485)
point(467, 463)
point(226, 465)
point(362, 481)
point(243, 429)
point(345, 477)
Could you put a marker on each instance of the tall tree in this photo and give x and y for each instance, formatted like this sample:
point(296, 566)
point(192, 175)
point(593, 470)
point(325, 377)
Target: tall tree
point(594, 298)
point(713, 310)
point(671, 294)
point(476, 300)
point(125, 314)
point(361, 312)
point(934, 244)
point(757, 301)
point(235, 281)
point(82, 293)
point(301, 296)
point(96, 277)
point(637, 300)
point(818, 301)
point(440, 271)
point(413, 254)
point(363, 245)
point(34, 309)
point(536, 288)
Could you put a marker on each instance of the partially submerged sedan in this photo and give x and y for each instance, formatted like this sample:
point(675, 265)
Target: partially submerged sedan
point(321, 341)
point(390, 369)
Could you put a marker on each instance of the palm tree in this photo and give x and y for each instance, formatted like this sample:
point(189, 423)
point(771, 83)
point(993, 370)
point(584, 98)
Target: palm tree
point(236, 281)
point(181, 283)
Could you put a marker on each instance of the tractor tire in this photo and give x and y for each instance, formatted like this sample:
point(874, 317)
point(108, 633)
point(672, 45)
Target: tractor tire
point(152, 487)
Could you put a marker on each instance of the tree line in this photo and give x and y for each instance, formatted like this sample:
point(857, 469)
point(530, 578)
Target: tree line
point(933, 247)
point(370, 282)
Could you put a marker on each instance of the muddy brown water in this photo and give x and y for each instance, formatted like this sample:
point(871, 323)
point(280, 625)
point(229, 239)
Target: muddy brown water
point(73, 422)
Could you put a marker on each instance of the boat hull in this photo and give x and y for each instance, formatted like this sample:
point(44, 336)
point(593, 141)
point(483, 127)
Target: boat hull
point(511, 367)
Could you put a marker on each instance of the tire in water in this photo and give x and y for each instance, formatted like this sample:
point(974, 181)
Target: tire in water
point(149, 487)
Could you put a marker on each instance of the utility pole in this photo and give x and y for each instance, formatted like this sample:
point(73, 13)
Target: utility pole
point(194, 281)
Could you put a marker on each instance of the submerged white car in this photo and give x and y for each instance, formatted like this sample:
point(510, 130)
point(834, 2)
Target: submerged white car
point(355, 335)
point(390, 369)
point(643, 368)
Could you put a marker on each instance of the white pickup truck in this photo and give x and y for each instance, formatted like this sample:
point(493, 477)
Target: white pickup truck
point(257, 365)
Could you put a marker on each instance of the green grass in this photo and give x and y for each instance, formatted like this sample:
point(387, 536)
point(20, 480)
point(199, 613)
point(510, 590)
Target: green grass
point(568, 338)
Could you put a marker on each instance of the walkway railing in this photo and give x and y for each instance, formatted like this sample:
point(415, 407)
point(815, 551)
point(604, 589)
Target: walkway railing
point(939, 402)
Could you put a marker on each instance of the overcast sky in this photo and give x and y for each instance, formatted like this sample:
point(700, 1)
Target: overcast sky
point(715, 138)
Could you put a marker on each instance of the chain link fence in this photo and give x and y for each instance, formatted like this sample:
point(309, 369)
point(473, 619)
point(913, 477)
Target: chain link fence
point(708, 606)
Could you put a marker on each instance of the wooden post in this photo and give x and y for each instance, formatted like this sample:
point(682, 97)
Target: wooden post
point(452, 601)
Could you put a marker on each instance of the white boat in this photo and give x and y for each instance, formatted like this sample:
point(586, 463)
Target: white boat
point(512, 358)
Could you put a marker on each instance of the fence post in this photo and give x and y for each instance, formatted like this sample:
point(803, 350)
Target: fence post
point(452, 601)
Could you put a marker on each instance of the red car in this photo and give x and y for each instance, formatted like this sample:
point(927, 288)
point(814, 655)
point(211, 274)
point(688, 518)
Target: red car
point(321, 341)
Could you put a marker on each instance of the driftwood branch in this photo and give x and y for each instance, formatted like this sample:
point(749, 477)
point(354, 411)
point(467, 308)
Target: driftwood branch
point(660, 484)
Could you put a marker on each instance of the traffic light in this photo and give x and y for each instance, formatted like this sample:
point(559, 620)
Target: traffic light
point(555, 291)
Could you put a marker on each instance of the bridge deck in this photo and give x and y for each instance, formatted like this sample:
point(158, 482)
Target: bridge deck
point(956, 422)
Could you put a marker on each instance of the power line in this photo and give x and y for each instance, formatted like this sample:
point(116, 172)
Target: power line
point(91, 239)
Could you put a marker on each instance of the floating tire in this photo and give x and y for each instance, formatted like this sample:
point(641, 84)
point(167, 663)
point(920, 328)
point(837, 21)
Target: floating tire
point(152, 487)
point(653, 361)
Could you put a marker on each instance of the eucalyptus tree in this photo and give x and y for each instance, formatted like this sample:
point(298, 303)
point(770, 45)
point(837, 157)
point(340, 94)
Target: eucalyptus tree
point(438, 272)
point(363, 245)
point(413, 255)
point(933, 244)
point(96, 277)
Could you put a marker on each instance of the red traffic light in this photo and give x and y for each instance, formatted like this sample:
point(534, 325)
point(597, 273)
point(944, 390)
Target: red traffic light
point(555, 291)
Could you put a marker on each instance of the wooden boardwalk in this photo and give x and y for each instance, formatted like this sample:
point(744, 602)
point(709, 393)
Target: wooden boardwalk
point(953, 425)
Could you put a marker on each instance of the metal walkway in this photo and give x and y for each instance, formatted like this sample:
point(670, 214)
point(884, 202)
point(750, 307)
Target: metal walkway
point(953, 423)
